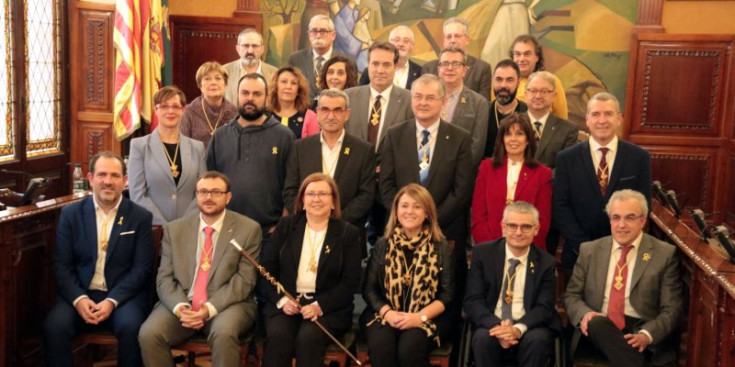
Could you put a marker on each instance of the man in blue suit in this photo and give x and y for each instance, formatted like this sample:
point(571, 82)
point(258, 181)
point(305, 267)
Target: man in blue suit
point(102, 266)
point(588, 173)
point(511, 293)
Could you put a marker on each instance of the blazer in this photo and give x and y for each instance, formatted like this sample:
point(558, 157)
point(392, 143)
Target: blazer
point(655, 289)
point(578, 205)
point(558, 135)
point(414, 72)
point(129, 258)
point(232, 277)
point(235, 72)
point(304, 60)
point(354, 174)
point(338, 271)
point(488, 202)
point(485, 283)
point(451, 173)
point(472, 113)
point(150, 181)
point(478, 77)
point(399, 110)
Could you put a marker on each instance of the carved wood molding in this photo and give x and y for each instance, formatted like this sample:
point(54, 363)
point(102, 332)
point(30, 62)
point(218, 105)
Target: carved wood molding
point(649, 16)
point(703, 161)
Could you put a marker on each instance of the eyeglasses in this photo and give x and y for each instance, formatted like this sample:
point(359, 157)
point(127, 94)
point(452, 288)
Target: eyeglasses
point(401, 40)
point(215, 193)
point(319, 31)
point(326, 111)
point(165, 107)
point(321, 195)
point(513, 227)
point(250, 45)
point(428, 98)
point(542, 92)
point(628, 219)
point(453, 64)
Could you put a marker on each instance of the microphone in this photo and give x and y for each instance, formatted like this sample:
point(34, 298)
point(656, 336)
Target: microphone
point(698, 216)
point(723, 236)
point(658, 189)
point(673, 203)
point(14, 172)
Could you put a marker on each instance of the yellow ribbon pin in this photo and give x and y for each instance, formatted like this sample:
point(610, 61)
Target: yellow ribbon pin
point(646, 257)
point(347, 150)
point(533, 267)
point(463, 101)
point(119, 221)
point(275, 150)
point(327, 249)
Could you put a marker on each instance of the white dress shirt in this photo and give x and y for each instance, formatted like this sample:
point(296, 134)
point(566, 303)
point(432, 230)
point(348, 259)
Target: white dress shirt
point(331, 156)
point(597, 154)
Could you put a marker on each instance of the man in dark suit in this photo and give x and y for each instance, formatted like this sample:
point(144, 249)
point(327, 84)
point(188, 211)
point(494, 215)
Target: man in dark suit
point(406, 70)
point(511, 293)
point(204, 283)
point(464, 107)
point(456, 33)
point(505, 87)
point(347, 159)
point(625, 294)
point(102, 266)
point(588, 173)
point(554, 134)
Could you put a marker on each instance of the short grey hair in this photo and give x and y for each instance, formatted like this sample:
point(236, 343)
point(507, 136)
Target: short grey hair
point(521, 207)
point(334, 93)
point(604, 97)
point(628, 194)
point(322, 17)
point(428, 79)
point(454, 49)
point(247, 31)
point(461, 21)
point(401, 27)
point(543, 75)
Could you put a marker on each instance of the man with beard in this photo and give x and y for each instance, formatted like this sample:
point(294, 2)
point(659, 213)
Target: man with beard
point(505, 86)
point(253, 151)
point(406, 70)
point(250, 48)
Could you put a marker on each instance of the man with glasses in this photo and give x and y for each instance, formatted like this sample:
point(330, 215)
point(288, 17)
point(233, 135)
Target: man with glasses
point(406, 70)
point(477, 78)
point(310, 60)
point(527, 53)
point(511, 294)
point(464, 107)
point(250, 48)
point(348, 160)
point(204, 284)
point(625, 295)
point(588, 173)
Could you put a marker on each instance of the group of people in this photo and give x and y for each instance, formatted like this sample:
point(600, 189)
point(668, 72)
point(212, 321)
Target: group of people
point(298, 164)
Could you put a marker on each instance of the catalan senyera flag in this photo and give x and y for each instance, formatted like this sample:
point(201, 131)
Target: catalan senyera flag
point(138, 60)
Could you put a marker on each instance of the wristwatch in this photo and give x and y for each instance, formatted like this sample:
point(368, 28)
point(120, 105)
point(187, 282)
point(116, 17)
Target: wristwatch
point(424, 318)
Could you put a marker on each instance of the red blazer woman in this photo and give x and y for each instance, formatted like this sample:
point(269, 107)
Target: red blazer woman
point(488, 202)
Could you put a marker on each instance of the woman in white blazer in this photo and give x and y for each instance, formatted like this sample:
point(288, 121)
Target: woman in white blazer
point(164, 165)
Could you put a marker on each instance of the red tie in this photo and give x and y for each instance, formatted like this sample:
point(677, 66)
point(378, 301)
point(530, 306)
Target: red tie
point(205, 263)
point(616, 304)
point(603, 172)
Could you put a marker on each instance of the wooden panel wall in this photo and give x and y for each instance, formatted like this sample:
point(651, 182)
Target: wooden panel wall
point(681, 103)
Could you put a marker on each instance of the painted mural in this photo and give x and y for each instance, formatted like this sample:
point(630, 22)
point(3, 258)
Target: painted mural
point(586, 42)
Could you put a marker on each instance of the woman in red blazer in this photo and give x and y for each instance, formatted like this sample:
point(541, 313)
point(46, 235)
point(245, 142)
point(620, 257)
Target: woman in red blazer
point(511, 175)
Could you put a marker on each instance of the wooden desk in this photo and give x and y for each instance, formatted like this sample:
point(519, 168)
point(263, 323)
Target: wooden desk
point(27, 238)
point(709, 326)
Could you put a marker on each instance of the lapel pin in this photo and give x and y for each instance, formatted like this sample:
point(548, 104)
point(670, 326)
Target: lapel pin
point(275, 150)
point(533, 267)
point(646, 257)
point(347, 150)
point(119, 221)
point(446, 137)
point(327, 249)
point(463, 101)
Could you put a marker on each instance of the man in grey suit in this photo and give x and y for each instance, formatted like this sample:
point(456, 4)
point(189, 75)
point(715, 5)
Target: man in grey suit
point(554, 134)
point(464, 107)
point(204, 284)
point(250, 47)
point(379, 105)
point(479, 74)
point(625, 291)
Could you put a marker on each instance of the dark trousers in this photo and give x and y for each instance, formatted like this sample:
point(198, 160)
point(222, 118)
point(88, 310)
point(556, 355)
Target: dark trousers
point(389, 347)
point(292, 336)
point(64, 322)
point(532, 350)
point(609, 340)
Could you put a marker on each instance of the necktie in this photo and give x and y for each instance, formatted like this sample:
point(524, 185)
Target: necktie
point(616, 304)
point(537, 124)
point(506, 308)
point(374, 123)
point(319, 63)
point(205, 263)
point(603, 172)
point(424, 157)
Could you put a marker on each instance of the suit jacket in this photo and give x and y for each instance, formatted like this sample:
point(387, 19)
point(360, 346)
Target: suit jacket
point(578, 204)
point(414, 72)
point(558, 135)
point(478, 77)
point(150, 181)
point(354, 174)
point(304, 60)
point(231, 278)
point(235, 72)
point(472, 113)
point(338, 271)
point(489, 200)
point(450, 177)
point(655, 288)
point(399, 110)
point(129, 258)
point(485, 283)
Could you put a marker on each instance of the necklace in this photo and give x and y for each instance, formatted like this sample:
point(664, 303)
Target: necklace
point(206, 258)
point(508, 290)
point(216, 124)
point(174, 167)
point(497, 119)
point(407, 271)
point(375, 117)
point(313, 245)
point(619, 276)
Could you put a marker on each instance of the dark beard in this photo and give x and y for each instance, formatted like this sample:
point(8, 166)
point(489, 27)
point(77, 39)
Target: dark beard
point(254, 114)
point(505, 100)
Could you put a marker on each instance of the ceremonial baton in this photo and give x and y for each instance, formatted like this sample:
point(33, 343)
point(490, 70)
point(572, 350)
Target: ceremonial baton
point(281, 290)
